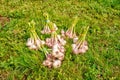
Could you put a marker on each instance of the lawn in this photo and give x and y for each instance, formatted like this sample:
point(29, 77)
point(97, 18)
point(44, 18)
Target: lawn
point(100, 62)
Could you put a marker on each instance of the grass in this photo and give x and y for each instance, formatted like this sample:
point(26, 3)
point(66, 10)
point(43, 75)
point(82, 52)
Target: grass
point(100, 62)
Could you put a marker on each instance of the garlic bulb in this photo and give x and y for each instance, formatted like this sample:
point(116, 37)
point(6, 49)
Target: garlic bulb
point(34, 47)
point(56, 63)
point(75, 39)
point(61, 57)
point(38, 42)
point(30, 42)
point(47, 63)
point(82, 51)
point(57, 54)
point(55, 48)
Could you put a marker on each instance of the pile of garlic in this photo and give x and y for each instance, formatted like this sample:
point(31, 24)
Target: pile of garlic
point(56, 43)
point(55, 58)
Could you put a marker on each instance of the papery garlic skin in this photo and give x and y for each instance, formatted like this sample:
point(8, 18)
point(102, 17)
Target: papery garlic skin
point(42, 42)
point(55, 48)
point(75, 39)
point(85, 47)
point(76, 51)
point(49, 57)
point(38, 42)
point(47, 63)
point(33, 47)
point(30, 42)
point(61, 57)
point(82, 51)
point(61, 40)
point(73, 46)
point(48, 42)
point(56, 63)
point(57, 54)
point(62, 49)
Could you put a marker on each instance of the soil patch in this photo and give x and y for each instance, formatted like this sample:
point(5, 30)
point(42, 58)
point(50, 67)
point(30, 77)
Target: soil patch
point(4, 20)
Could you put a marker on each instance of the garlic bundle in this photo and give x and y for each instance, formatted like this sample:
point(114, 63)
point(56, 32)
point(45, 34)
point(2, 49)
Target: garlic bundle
point(80, 45)
point(71, 31)
point(57, 42)
point(49, 27)
point(34, 42)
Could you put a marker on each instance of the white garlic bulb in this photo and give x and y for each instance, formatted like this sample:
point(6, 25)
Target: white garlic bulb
point(75, 39)
point(30, 42)
point(47, 63)
point(34, 47)
point(56, 63)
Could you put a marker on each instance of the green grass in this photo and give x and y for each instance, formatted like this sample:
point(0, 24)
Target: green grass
point(100, 62)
